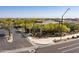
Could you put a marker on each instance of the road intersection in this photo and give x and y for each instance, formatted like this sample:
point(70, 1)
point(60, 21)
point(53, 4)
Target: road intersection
point(23, 45)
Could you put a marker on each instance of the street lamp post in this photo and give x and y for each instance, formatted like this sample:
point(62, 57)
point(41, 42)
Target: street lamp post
point(61, 22)
point(65, 13)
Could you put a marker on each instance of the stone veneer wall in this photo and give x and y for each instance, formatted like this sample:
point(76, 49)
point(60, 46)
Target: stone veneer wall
point(66, 37)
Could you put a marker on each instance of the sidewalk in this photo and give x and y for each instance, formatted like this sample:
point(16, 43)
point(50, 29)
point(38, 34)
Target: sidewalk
point(49, 40)
point(40, 41)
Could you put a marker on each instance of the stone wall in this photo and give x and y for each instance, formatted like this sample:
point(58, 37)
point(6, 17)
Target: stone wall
point(67, 37)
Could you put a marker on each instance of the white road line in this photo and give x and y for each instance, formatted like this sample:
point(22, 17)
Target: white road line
point(70, 49)
point(68, 46)
point(20, 49)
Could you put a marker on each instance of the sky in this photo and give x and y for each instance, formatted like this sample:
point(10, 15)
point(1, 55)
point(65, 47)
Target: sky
point(38, 11)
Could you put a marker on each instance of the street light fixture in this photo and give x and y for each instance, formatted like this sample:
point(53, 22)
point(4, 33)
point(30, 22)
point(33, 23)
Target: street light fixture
point(61, 22)
point(65, 13)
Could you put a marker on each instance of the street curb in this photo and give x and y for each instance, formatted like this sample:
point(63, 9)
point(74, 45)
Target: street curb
point(70, 40)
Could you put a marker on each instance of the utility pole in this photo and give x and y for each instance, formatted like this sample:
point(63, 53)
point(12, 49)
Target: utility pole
point(61, 22)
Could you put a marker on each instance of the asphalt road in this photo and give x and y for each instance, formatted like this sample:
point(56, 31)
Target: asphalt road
point(18, 41)
point(68, 47)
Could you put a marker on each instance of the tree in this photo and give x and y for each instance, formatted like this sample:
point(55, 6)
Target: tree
point(61, 29)
point(48, 27)
point(73, 27)
point(8, 25)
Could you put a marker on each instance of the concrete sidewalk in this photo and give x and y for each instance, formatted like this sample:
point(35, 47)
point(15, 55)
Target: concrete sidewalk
point(49, 40)
point(40, 41)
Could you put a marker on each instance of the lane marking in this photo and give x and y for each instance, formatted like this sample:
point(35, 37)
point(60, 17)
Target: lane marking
point(20, 49)
point(70, 49)
point(68, 46)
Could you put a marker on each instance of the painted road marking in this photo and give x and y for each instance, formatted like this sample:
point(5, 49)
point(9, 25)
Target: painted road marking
point(68, 46)
point(20, 49)
point(70, 49)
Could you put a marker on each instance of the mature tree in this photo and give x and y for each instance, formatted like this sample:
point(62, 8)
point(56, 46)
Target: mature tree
point(48, 27)
point(61, 29)
point(73, 27)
